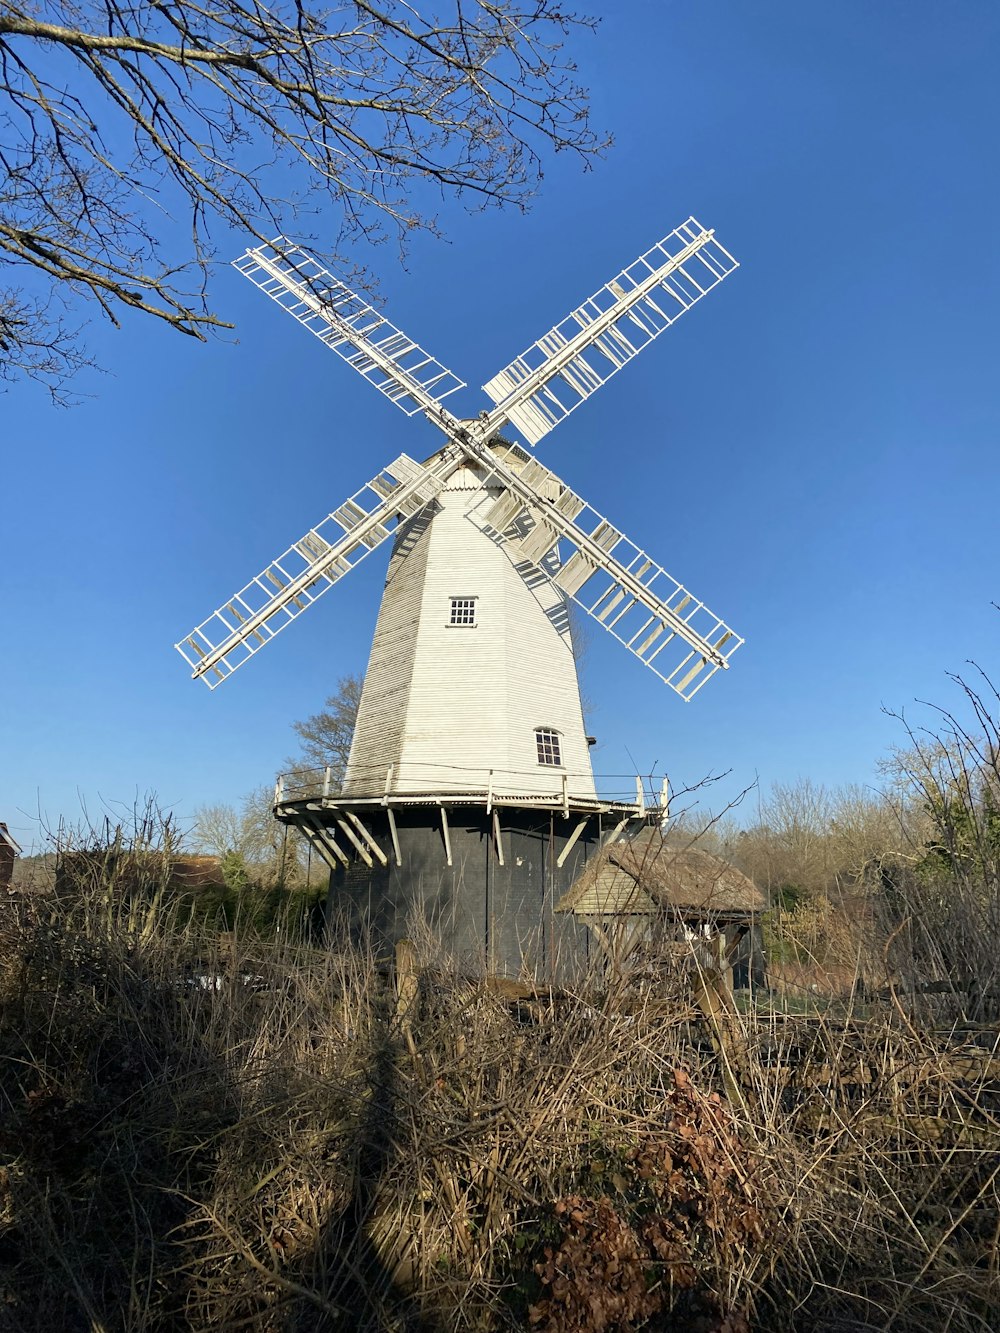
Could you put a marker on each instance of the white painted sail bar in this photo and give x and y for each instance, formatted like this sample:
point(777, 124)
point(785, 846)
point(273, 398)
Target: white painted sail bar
point(382, 354)
point(562, 369)
point(669, 629)
point(282, 591)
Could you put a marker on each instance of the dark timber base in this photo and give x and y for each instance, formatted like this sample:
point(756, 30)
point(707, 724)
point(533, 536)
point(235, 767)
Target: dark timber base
point(488, 909)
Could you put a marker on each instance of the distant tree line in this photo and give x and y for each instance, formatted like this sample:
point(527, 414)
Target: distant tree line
point(256, 850)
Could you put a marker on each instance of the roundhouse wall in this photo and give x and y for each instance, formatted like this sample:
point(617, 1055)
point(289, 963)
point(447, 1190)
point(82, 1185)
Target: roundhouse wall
point(484, 914)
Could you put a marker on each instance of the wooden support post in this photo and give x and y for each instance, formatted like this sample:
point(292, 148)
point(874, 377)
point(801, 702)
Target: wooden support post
point(447, 834)
point(489, 797)
point(321, 847)
point(565, 796)
point(325, 843)
point(571, 842)
point(497, 838)
point(616, 830)
point(715, 1000)
point(352, 837)
point(368, 837)
point(407, 985)
point(394, 834)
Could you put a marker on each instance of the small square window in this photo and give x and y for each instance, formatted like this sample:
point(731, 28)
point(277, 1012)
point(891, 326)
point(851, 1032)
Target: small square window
point(548, 746)
point(463, 611)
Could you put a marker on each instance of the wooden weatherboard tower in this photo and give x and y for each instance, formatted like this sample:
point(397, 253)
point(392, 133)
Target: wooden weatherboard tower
point(469, 797)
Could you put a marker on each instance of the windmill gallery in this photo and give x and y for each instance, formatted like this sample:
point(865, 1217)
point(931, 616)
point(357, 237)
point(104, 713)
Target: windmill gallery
point(469, 796)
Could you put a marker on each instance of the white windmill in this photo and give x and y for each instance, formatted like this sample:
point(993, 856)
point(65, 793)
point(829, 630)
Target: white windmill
point(469, 793)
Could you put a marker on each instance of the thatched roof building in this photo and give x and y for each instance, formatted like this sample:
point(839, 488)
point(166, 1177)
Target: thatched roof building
point(647, 891)
point(647, 875)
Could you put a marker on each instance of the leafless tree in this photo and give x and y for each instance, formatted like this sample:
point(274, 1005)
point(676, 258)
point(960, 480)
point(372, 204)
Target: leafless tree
point(128, 129)
point(789, 846)
point(326, 736)
point(946, 913)
point(273, 852)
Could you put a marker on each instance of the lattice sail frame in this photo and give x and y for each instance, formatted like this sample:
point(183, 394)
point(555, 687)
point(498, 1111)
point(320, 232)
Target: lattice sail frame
point(631, 596)
point(539, 517)
point(542, 386)
point(381, 353)
point(311, 566)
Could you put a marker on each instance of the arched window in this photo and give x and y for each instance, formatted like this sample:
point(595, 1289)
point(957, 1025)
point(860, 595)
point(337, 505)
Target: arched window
point(549, 748)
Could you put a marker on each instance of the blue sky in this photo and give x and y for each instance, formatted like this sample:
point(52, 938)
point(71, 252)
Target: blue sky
point(813, 449)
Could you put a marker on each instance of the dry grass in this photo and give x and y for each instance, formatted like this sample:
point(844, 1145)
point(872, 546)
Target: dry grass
point(291, 1150)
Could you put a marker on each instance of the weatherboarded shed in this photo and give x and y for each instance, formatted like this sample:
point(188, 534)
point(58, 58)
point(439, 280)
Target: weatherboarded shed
point(646, 890)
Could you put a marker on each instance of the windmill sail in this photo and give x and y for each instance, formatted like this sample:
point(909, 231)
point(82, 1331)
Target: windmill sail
point(669, 629)
point(381, 353)
point(296, 579)
point(562, 369)
point(546, 526)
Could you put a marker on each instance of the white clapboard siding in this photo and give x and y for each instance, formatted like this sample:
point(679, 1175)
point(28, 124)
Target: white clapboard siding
point(444, 705)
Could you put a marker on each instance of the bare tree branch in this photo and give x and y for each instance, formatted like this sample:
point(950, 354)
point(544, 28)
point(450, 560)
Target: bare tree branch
point(128, 130)
point(326, 736)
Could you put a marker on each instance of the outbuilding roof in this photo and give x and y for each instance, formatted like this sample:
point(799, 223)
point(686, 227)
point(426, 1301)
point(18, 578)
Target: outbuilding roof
point(647, 874)
point(7, 838)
